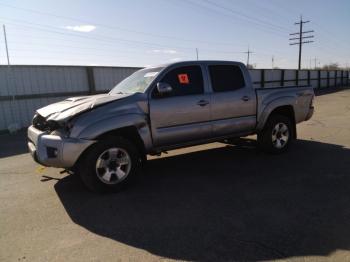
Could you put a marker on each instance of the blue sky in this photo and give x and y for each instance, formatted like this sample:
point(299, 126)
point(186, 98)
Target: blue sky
point(149, 32)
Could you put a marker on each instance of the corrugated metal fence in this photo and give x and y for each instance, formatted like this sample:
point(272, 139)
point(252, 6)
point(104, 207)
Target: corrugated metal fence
point(23, 89)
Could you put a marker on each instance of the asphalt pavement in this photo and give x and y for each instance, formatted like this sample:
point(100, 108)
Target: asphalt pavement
point(216, 202)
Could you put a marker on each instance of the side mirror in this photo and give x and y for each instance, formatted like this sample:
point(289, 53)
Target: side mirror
point(164, 88)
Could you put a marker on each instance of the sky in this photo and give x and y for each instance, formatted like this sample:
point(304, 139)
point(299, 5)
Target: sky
point(149, 32)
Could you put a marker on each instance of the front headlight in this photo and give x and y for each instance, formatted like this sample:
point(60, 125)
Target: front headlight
point(52, 125)
point(63, 129)
point(40, 122)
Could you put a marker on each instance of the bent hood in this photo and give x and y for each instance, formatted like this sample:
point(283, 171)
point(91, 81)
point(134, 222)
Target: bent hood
point(75, 105)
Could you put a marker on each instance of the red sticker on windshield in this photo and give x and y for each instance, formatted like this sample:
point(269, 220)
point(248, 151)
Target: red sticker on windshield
point(183, 79)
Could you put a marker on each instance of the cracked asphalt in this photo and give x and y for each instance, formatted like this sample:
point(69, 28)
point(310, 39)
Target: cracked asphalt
point(214, 202)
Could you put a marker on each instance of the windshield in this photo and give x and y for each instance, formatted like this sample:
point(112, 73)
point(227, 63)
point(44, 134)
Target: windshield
point(137, 82)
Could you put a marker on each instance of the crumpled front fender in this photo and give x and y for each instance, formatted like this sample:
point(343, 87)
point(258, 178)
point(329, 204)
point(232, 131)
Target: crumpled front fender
point(96, 128)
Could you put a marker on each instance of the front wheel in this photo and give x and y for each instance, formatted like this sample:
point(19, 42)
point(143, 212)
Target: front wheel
point(277, 135)
point(109, 165)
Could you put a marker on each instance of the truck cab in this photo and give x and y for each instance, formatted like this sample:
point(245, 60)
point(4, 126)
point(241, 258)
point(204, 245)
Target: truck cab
point(206, 100)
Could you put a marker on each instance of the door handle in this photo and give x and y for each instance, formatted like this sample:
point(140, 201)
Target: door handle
point(245, 98)
point(202, 102)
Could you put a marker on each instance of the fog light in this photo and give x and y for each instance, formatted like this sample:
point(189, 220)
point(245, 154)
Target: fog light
point(52, 152)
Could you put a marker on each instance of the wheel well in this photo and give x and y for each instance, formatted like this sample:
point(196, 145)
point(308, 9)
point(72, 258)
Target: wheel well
point(284, 110)
point(287, 111)
point(129, 133)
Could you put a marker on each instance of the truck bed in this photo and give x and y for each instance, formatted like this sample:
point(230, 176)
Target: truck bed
point(299, 97)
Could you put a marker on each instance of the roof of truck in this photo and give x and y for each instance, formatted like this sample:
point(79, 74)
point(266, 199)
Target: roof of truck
point(198, 62)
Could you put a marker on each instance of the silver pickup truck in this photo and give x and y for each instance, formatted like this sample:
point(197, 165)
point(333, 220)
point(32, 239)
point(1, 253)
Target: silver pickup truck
point(105, 138)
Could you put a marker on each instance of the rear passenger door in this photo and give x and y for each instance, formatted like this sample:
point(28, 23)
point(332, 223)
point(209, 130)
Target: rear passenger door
point(233, 103)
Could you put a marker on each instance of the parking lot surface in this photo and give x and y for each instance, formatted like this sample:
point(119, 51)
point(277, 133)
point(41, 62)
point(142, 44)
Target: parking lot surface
point(215, 202)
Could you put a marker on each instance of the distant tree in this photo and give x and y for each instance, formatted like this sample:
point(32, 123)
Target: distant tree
point(276, 67)
point(331, 66)
point(251, 66)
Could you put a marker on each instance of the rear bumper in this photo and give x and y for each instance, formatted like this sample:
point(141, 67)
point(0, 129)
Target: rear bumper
point(311, 112)
point(53, 150)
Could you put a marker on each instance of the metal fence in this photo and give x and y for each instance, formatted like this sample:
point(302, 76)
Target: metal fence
point(23, 89)
point(286, 77)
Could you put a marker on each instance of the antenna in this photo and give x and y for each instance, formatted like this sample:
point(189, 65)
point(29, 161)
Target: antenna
point(6, 46)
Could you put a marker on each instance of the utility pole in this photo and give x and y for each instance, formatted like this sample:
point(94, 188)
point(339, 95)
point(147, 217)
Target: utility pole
point(300, 37)
point(248, 55)
point(272, 61)
point(197, 53)
point(315, 60)
point(7, 50)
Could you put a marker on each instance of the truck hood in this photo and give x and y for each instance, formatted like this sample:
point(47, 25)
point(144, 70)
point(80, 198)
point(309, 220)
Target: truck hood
point(71, 106)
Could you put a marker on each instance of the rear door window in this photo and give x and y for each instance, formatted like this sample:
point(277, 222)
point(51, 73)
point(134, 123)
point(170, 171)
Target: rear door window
point(226, 78)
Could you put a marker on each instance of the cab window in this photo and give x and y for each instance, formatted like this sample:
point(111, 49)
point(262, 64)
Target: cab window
point(226, 78)
point(187, 80)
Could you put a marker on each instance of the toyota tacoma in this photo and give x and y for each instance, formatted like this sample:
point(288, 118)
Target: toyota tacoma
point(105, 138)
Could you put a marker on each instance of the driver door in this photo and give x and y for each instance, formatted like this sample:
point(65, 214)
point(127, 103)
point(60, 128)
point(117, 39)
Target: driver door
point(182, 115)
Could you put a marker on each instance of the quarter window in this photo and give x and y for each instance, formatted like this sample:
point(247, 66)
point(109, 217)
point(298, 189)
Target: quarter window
point(226, 78)
point(186, 80)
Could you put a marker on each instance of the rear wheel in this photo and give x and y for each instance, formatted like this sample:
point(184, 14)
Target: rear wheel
point(109, 165)
point(277, 134)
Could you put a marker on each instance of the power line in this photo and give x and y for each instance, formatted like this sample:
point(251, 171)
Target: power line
point(264, 27)
point(301, 38)
point(263, 23)
point(82, 58)
point(251, 18)
point(52, 29)
point(114, 27)
point(334, 38)
point(95, 54)
point(46, 49)
point(271, 12)
point(138, 42)
point(107, 39)
point(282, 13)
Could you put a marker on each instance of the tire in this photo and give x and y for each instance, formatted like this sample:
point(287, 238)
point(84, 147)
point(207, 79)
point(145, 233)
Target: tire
point(277, 134)
point(109, 165)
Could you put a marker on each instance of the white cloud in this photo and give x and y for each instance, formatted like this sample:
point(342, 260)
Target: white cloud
point(165, 51)
point(81, 28)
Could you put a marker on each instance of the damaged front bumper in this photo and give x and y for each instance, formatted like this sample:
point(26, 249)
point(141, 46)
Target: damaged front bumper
point(54, 150)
